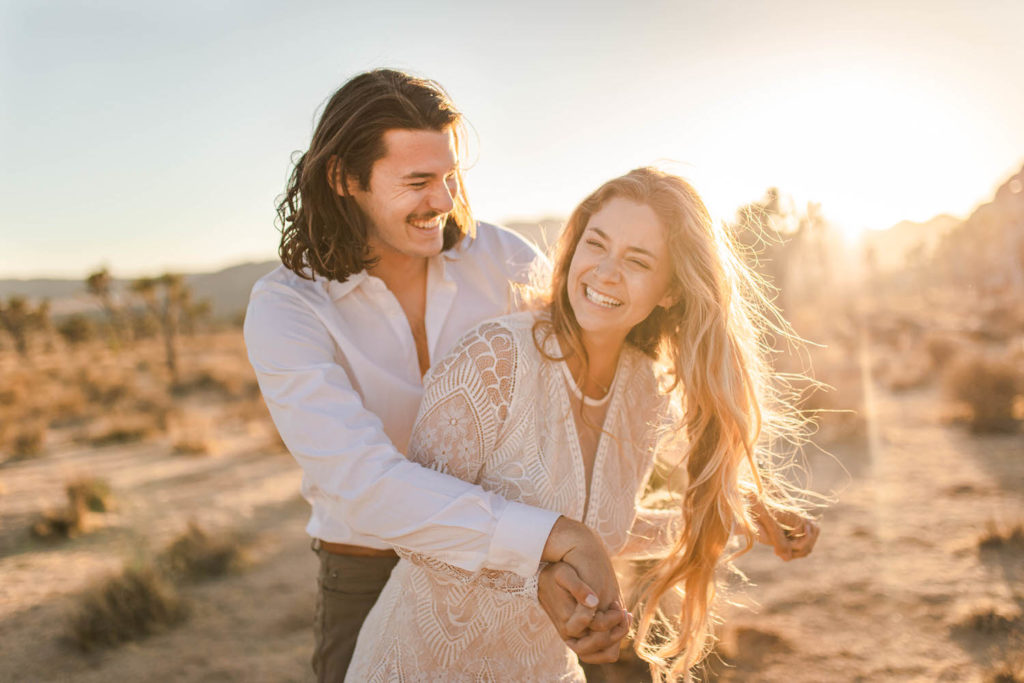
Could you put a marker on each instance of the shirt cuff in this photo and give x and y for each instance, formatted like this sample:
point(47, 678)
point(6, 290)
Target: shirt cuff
point(519, 538)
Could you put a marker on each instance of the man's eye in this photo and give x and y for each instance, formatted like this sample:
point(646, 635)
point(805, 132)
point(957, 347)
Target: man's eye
point(419, 185)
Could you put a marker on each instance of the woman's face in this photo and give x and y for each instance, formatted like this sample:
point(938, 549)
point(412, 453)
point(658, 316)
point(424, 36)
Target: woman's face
point(621, 269)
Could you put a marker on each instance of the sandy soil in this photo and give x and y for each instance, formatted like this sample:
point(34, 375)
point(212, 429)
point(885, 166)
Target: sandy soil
point(884, 597)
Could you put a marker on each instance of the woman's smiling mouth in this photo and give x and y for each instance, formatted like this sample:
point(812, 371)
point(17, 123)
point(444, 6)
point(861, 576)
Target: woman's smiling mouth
point(600, 299)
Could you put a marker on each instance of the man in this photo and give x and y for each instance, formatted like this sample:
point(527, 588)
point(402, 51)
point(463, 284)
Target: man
point(383, 271)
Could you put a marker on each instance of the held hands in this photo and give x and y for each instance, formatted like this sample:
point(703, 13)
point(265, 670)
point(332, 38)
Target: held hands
point(790, 535)
point(572, 607)
point(580, 567)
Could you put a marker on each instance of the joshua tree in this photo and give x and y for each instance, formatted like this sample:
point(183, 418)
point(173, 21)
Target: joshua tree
point(20, 319)
point(99, 285)
point(165, 297)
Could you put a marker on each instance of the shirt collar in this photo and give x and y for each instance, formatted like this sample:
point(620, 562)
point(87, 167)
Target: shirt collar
point(436, 271)
point(336, 290)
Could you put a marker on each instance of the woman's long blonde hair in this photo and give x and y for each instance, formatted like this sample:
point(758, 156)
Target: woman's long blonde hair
point(710, 344)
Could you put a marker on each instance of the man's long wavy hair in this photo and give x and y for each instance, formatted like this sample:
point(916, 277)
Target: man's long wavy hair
point(709, 347)
point(325, 232)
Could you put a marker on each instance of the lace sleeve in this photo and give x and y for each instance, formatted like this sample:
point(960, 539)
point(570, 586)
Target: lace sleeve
point(465, 403)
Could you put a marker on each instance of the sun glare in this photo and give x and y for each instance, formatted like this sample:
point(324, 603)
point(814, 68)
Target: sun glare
point(871, 150)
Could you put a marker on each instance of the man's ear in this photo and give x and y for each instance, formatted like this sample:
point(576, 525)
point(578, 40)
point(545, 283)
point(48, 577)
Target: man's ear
point(334, 178)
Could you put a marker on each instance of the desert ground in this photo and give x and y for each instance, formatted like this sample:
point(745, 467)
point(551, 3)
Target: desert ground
point(918, 574)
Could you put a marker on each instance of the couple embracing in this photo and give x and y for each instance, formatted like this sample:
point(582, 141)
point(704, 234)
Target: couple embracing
point(476, 425)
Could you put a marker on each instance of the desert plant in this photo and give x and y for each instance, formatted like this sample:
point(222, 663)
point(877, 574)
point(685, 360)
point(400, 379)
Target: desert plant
point(166, 297)
point(20, 320)
point(197, 555)
point(941, 349)
point(76, 329)
point(989, 388)
point(996, 538)
point(126, 428)
point(85, 495)
point(99, 284)
point(28, 441)
point(124, 608)
point(92, 493)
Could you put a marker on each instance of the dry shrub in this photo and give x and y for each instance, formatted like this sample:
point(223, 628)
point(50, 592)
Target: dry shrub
point(104, 388)
point(85, 495)
point(193, 446)
point(223, 380)
point(994, 538)
point(192, 434)
point(92, 493)
point(941, 348)
point(908, 372)
point(124, 608)
point(28, 441)
point(989, 388)
point(66, 522)
point(989, 622)
point(127, 428)
point(196, 555)
point(1011, 670)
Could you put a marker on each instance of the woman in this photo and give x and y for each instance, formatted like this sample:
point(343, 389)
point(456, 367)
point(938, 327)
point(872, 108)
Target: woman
point(646, 335)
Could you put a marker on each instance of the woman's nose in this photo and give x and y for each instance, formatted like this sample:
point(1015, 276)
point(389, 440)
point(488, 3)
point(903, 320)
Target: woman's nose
point(607, 268)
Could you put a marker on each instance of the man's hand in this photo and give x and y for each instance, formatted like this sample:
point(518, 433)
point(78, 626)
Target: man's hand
point(790, 535)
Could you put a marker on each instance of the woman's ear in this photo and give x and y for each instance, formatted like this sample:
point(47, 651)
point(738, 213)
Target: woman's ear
point(669, 300)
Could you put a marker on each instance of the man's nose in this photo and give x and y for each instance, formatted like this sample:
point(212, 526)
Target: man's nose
point(443, 200)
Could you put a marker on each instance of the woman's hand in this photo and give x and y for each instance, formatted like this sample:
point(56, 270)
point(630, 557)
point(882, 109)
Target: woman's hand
point(572, 607)
point(791, 535)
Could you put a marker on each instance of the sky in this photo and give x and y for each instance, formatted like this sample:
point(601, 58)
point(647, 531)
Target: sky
point(147, 136)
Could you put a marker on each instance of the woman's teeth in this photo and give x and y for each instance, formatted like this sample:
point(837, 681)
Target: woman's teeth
point(600, 299)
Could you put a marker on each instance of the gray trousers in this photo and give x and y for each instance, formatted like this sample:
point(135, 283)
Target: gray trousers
point(347, 588)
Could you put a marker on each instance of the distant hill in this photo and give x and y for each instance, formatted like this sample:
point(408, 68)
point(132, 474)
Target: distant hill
point(227, 289)
point(987, 249)
point(893, 246)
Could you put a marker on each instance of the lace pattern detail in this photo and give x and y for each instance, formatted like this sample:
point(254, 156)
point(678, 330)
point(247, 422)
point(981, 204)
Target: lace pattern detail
point(496, 413)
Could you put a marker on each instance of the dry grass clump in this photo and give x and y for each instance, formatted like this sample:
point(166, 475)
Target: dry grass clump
point(989, 621)
point(192, 433)
point(86, 495)
point(989, 388)
point(196, 555)
point(1011, 670)
point(92, 493)
point(125, 608)
point(994, 538)
point(226, 379)
point(941, 348)
point(124, 428)
point(28, 441)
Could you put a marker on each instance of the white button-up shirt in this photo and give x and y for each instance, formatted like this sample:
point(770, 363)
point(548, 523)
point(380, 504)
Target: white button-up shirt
point(337, 366)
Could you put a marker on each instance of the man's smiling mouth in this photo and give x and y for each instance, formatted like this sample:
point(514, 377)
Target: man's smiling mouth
point(434, 223)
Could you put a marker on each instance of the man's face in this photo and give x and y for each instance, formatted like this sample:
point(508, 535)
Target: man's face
point(410, 194)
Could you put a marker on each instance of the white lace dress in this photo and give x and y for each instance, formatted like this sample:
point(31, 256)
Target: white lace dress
point(496, 413)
